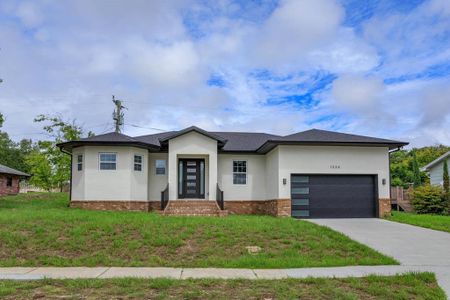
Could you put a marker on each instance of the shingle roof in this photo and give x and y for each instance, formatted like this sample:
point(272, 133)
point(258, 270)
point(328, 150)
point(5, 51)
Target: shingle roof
point(7, 170)
point(239, 141)
point(317, 135)
point(109, 137)
point(436, 161)
point(244, 141)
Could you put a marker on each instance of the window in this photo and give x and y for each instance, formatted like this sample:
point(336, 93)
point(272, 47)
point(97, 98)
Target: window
point(138, 162)
point(160, 165)
point(239, 172)
point(9, 181)
point(108, 161)
point(79, 162)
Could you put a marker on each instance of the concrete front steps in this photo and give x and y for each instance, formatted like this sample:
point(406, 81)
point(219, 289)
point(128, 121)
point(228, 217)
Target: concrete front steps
point(194, 207)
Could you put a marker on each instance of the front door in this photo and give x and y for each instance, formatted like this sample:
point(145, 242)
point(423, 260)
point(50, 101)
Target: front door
point(191, 179)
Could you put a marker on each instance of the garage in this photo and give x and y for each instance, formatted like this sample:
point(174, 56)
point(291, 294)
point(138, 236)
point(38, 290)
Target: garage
point(333, 196)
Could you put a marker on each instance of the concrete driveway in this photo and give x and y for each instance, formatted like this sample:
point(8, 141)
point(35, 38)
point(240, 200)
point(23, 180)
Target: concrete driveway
point(427, 249)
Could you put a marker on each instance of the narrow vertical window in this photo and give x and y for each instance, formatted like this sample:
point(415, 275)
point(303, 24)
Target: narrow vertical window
point(9, 181)
point(160, 165)
point(108, 161)
point(138, 162)
point(239, 172)
point(79, 162)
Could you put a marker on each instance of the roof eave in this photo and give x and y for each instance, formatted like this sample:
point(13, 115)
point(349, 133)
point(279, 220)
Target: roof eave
point(270, 144)
point(68, 146)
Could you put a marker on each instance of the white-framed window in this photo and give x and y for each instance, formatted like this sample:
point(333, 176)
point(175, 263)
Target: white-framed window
point(239, 172)
point(160, 166)
point(80, 162)
point(138, 159)
point(107, 161)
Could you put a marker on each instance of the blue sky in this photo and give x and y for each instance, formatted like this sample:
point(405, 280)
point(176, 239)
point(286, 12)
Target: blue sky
point(378, 67)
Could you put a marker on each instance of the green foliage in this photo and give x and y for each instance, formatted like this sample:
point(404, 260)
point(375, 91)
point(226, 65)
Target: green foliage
point(429, 199)
point(51, 167)
point(13, 154)
point(415, 165)
point(402, 169)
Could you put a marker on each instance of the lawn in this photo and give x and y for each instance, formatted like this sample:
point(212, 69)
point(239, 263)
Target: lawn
point(409, 286)
point(436, 222)
point(40, 230)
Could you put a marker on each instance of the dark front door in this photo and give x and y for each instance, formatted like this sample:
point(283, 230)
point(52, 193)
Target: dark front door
point(191, 178)
point(333, 196)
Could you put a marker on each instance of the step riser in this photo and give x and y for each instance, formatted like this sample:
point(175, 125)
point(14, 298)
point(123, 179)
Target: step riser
point(193, 208)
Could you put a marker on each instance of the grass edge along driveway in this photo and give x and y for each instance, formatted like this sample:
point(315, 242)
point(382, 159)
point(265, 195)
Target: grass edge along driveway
point(436, 222)
point(40, 230)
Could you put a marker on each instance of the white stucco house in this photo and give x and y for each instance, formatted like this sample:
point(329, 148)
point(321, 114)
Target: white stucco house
point(309, 174)
point(436, 169)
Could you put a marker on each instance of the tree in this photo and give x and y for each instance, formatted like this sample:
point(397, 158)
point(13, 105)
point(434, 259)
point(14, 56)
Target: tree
point(13, 154)
point(415, 166)
point(402, 163)
point(446, 184)
point(49, 166)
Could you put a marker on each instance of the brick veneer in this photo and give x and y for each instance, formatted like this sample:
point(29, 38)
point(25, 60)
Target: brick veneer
point(274, 207)
point(384, 207)
point(9, 190)
point(112, 205)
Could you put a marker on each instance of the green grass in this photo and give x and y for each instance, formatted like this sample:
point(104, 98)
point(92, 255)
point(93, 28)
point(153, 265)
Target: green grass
point(409, 286)
point(436, 222)
point(40, 230)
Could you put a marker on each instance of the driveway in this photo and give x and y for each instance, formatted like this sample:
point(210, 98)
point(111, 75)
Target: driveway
point(427, 249)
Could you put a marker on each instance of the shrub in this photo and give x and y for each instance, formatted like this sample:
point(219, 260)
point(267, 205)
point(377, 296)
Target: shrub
point(429, 199)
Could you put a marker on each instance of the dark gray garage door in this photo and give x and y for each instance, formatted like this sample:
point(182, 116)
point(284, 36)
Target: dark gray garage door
point(333, 196)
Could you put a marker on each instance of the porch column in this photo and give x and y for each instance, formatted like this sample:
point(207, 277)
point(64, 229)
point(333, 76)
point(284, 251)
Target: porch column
point(172, 175)
point(212, 175)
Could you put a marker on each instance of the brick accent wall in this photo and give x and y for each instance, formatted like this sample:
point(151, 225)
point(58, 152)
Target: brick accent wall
point(274, 207)
point(384, 207)
point(112, 205)
point(9, 190)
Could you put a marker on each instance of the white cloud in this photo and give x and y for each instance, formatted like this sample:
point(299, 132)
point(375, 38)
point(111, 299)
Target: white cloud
point(358, 93)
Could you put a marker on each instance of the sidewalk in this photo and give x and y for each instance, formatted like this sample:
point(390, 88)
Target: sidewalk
point(20, 273)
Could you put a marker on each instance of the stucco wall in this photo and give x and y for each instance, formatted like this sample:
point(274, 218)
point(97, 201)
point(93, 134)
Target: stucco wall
point(272, 174)
point(193, 144)
point(326, 159)
point(437, 173)
point(122, 184)
point(156, 183)
point(255, 189)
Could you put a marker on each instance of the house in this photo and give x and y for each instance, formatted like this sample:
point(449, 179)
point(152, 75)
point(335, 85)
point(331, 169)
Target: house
point(309, 174)
point(9, 180)
point(436, 169)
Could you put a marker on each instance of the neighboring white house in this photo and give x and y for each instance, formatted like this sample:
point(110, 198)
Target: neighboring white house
point(314, 173)
point(436, 169)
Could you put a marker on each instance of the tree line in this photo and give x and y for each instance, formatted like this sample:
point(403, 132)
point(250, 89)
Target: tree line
point(49, 167)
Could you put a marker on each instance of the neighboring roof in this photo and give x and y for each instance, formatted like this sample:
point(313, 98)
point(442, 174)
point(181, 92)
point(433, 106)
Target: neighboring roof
point(8, 170)
point(436, 161)
point(237, 141)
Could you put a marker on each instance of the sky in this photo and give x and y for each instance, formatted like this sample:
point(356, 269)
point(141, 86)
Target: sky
point(377, 67)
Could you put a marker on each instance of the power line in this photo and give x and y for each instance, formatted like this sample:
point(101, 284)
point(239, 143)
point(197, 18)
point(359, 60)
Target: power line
point(150, 128)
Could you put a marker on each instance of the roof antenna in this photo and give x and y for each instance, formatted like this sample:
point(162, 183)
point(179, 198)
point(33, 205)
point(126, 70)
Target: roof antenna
point(118, 115)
